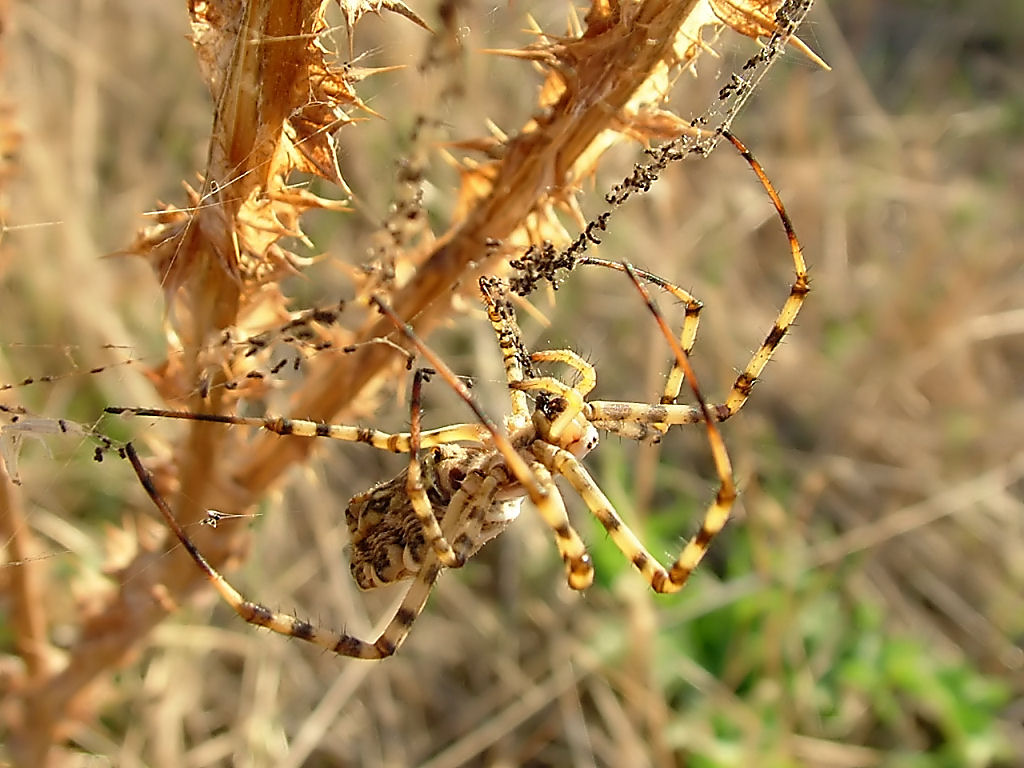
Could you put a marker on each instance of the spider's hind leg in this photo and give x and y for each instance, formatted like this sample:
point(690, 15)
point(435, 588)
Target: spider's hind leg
point(340, 643)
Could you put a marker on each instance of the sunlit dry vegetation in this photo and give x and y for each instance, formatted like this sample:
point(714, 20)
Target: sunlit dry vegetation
point(237, 166)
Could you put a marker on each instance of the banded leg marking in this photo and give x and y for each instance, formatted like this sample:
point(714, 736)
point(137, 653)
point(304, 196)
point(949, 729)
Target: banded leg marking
point(341, 643)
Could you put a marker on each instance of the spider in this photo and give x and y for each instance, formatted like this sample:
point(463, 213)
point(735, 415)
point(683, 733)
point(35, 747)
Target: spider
point(465, 483)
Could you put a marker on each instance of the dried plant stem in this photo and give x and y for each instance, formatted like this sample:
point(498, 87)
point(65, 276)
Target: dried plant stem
point(26, 591)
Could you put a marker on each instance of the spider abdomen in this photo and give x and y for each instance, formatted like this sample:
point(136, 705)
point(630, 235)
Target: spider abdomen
point(387, 539)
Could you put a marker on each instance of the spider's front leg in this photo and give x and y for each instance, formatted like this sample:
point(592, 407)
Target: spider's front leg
point(392, 442)
point(790, 309)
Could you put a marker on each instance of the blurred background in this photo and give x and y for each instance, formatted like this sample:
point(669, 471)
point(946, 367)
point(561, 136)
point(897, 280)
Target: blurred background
point(865, 605)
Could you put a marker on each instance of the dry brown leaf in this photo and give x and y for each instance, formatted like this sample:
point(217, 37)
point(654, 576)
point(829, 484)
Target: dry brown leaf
point(279, 103)
point(756, 18)
point(354, 9)
point(753, 18)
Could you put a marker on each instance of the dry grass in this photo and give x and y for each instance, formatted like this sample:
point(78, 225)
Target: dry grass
point(865, 608)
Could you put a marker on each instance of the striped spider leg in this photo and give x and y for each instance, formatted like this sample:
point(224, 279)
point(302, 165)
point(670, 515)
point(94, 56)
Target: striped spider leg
point(790, 309)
